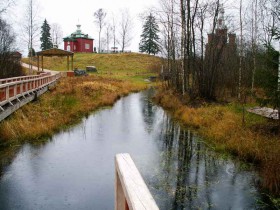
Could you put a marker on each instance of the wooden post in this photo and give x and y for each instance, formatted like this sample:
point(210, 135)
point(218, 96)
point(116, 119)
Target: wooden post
point(131, 192)
point(38, 62)
point(120, 200)
point(42, 63)
point(72, 63)
point(67, 62)
point(7, 93)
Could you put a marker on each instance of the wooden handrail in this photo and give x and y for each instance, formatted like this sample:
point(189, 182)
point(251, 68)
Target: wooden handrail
point(15, 89)
point(131, 192)
point(13, 79)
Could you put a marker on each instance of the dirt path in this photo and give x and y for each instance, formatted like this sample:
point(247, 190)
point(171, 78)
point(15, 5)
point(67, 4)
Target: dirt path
point(35, 68)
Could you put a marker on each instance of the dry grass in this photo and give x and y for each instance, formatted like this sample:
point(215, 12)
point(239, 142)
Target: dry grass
point(222, 127)
point(66, 104)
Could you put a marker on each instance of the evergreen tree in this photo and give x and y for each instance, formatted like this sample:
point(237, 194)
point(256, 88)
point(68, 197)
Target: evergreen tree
point(267, 77)
point(45, 39)
point(31, 52)
point(149, 36)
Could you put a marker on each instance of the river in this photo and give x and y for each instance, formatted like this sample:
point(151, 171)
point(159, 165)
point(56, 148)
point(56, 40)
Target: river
point(75, 168)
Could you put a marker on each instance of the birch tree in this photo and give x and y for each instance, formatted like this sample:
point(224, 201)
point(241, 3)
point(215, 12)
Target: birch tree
point(56, 34)
point(125, 30)
point(100, 16)
point(108, 36)
point(31, 28)
point(114, 36)
point(241, 49)
point(184, 43)
point(254, 39)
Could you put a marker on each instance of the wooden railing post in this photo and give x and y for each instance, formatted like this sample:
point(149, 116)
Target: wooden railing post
point(21, 87)
point(15, 90)
point(120, 201)
point(7, 93)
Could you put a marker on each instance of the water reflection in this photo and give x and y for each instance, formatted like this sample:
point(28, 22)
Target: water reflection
point(75, 169)
point(191, 176)
point(149, 110)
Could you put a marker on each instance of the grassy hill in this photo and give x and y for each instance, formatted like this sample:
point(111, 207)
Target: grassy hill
point(106, 63)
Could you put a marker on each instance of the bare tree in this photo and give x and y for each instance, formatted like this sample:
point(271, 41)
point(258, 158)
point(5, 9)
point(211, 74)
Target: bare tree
point(108, 36)
point(255, 42)
point(31, 28)
point(202, 12)
point(103, 44)
point(170, 30)
point(254, 39)
point(268, 21)
point(56, 34)
point(5, 4)
point(213, 54)
point(212, 69)
point(184, 42)
point(241, 49)
point(9, 65)
point(125, 30)
point(114, 33)
point(100, 16)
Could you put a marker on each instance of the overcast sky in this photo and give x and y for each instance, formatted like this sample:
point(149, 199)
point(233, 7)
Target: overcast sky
point(67, 13)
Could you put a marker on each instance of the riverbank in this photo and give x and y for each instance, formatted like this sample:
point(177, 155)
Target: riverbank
point(65, 105)
point(222, 126)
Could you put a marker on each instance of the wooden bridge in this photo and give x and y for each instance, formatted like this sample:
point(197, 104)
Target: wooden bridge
point(18, 91)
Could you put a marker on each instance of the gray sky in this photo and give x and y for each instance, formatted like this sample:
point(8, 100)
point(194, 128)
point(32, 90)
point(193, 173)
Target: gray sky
point(67, 13)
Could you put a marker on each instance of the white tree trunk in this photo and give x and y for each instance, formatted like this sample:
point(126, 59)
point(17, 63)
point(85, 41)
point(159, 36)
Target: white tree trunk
point(254, 37)
point(278, 89)
point(241, 51)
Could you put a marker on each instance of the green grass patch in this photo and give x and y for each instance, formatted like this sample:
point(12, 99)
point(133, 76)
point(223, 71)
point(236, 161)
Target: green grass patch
point(126, 63)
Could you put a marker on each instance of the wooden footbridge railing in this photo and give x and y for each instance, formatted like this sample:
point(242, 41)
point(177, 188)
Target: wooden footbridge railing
point(17, 91)
point(15, 79)
point(131, 192)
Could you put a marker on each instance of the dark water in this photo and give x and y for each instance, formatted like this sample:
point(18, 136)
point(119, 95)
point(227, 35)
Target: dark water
point(75, 169)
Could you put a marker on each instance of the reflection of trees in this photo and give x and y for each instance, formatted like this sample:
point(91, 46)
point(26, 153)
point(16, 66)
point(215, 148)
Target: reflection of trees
point(184, 157)
point(191, 175)
point(182, 166)
point(148, 109)
point(7, 156)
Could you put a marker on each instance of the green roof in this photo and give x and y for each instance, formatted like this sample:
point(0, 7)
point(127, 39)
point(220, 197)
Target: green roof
point(77, 34)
